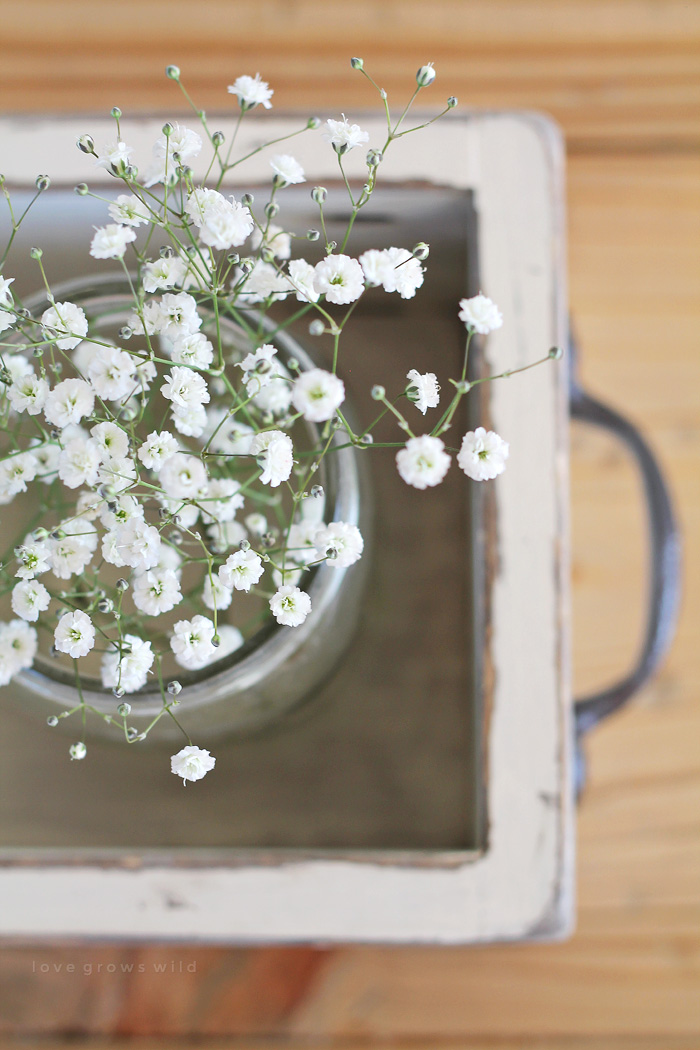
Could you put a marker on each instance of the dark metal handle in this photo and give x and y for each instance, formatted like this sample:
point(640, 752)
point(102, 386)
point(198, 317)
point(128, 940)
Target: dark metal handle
point(664, 559)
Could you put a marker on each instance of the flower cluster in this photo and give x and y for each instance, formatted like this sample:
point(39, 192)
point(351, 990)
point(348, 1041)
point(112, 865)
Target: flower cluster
point(169, 448)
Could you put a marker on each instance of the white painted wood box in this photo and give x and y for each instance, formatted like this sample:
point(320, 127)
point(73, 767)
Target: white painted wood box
point(426, 794)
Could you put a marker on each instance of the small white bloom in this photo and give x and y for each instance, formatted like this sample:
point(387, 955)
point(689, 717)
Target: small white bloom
point(259, 367)
point(112, 442)
point(115, 156)
point(301, 274)
point(274, 452)
point(77, 751)
point(28, 393)
point(129, 210)
point(185, 388)
point(423, 461)
point(194, 350)
point(257, 523)
point(341, 539)
point(110, 242)
point(275, 238)
point(119, 473)
point(17, 365)
point(406, 273)
point(288, 168)
point(69, 402)
point(18, 645)
point(47, 461)
point(179, 148)
point(290, 606)
point(15, 473)
point(64, 324)
point(29, 598)
point(156, 591)
point(33, 558)
point(215, 594)
point(192, 763)
point(74, 634)
point(166, 272)
point(125, 506)
point(203, 202)
point(157, 449)
point(184, 477)
point(222, 500)
point(318, 395)
point(230, 639)
point(227, 227)
point(192, 642)
point(190, 420)
point(138, 544)
point(251, 92)
point(129, 669)
point(242, 570)
point(343, 135)
point(178, 314)
point(226, 534)
point(339, 278)
point(79, 462)
point(112, 373)
point(231, 437)
point(69, 555)
point(483, 454)
point(301, 543)
point(423, 390)
point(480, 314)
point(7, 315)
point(262, 283)
point(275, 397)
point(377, 267)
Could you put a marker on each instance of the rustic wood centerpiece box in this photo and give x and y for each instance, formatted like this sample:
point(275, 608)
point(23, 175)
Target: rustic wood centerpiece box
point(424, 793)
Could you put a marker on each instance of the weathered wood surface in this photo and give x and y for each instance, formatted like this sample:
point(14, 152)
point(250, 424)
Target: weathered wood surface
point(615, 73)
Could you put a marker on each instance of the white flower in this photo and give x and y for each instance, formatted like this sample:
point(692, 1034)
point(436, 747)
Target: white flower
point(423, 390)
point(301, 542)
point(194, 350)
point(138, 544)
point(288, 168)
point(263, 282)
point(192, 763)
point(343, 135)
point(480, 314)
point(129, 210)
point(202, 203)
point(29, 598)
point(156, 591)
point(112, 442)
point(77, 751)
point(227, 227)
point(301, 274)
point(166, 272)
point(230, 639)
point(28, 393)
point(127, 671)
point(110, 241)
point(125, 507)
point(192, 642)
point(65, 324)
point(343, 539)
point(119, 473)
point(179, 148)
point(215, 594)
point(74, 634)
point(406, 273)
point(18, 644)
point(191, 420)
point(242, 570)
point(7, 316)
point(115, 156)
point(377, 267)
point(257, 523)
point(275, 238)
point(339, 278)
point(157, 449)
point(33, 557)
point(226, 534)
point(69, 402)
point(251, 92)
point(259, 367)
point(222, 500)
point(231, 437)
point(112, 373)
point(69, 555)
point(47, 461)
point(275, 397)
point(15, 472)
point(17, 365)
point(483, 454)
point(290, 606)
point(318, 395)
point(178, 314)
point(185, 388)
point(274, 452)
point(184, 477)
point(423, 461)
point(79, 462)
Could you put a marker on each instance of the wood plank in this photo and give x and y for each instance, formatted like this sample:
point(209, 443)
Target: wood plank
point(619, 74)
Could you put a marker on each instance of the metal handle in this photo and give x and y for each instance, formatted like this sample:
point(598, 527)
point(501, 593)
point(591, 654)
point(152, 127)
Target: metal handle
point(664, 560)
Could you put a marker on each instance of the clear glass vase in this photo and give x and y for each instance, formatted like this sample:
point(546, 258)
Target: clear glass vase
point(277, 667)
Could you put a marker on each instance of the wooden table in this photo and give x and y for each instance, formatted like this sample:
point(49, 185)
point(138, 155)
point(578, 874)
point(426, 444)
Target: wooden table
point(622, 78)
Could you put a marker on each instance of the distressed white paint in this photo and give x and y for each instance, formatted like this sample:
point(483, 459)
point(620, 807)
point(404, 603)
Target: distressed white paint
point(522, 885)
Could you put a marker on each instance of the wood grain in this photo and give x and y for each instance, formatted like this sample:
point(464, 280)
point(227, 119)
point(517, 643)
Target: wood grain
point(617, 74)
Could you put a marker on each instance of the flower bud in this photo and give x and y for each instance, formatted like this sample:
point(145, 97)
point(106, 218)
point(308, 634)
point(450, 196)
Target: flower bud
point(52, 721)
point(173, 72)
point(174, 688)
point(125, 332)
point(233, 258)
point(132, 733)
point(124, 709)
point(86, 143)
point(247, 199)
point(356, 63)
point(77, 751)
point(167, 129)
point(38, 351)
point(374, 157)
point(319, 194)
point(244, 545)
point(81, 189)
point(312, 235)
point(271, 209)
point(313, 123)
point(317, 327)
point(216, 641)
point(122, 585)
point(463, 387)
point(217, 139)
point(35, 253)
point(556, 353)
point(378, 392)
point(451, 102)
point(293, 364)
point(425, 75)
point(317, 490)
point(131, 172)
point(247, 265)
point(42, 183)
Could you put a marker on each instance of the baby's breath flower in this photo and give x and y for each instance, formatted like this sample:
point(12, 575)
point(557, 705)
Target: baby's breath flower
point(241, 570)
point(344, 540)
point(192, 642)
point(129, 210)
point(29, 598)
point(423, 461)
point(65, 324)
point(318, 395)
point(339, 278)
point(251, 92)
point(423, 390)
point(483, 454)
point(192, 763)
point(74, 634)
point(480, 314)
point(288, 169)
point(290, 606)
point(110, 242)
point(343, 135)
point(69, 402)
point(274, 451)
